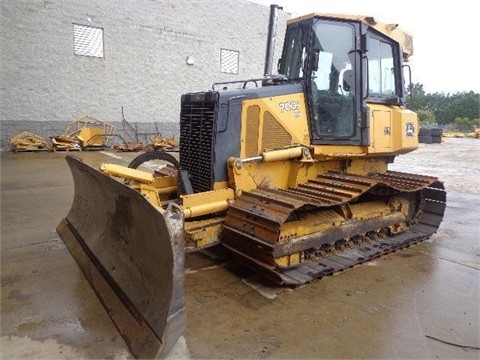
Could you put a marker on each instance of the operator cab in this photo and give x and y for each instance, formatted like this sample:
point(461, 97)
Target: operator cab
point(344, 62)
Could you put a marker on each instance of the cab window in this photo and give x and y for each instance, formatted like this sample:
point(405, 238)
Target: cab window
point(295, 53)
point(332, 80)
point(381, 69)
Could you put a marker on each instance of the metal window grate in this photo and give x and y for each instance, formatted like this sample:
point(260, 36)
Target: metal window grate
point(87, 40)
point(229, 61)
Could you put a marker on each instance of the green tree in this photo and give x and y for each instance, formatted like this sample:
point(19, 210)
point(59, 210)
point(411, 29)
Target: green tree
point(438, 103)
point(463, 105)
point(445, 107)
point(417, 100)
point(466, 124)
point(426, 117)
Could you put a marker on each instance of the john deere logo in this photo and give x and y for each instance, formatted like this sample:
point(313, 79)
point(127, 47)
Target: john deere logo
point(409, 129)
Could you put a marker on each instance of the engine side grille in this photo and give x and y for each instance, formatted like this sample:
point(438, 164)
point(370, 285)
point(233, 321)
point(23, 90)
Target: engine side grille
point(197, 129)
point(253, 127)
point(274, 134)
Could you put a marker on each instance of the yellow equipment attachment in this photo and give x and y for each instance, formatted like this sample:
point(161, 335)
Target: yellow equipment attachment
point(475, 134)
point(136, 271)
point(26, 141)
point(90, 136)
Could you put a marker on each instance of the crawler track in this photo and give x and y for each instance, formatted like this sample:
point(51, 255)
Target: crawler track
point(252, 225)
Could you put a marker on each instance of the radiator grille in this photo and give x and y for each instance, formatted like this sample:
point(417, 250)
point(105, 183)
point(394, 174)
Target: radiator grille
point(197, 128)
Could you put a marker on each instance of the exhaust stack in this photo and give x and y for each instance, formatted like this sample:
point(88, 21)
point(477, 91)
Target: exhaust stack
point(272, 33)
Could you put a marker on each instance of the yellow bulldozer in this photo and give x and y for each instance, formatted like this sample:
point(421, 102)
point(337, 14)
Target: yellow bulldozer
point(290, 175)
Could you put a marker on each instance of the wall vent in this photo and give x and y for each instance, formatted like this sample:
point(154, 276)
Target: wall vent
point(229, 60)
point(87, 40)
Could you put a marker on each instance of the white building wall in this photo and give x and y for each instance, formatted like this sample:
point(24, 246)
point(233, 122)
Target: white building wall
point(144, 68)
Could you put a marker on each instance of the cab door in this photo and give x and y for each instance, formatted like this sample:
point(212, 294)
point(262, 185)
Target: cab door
point(337, 115)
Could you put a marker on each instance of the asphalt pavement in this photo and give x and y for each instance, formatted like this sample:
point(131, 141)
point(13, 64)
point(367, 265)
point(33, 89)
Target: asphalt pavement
point(421, 302)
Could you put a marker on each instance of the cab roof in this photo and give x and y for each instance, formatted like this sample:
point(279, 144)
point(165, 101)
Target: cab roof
point(393, 31)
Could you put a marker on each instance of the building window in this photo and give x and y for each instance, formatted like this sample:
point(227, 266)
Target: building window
point(229, 61)
point(87, 40)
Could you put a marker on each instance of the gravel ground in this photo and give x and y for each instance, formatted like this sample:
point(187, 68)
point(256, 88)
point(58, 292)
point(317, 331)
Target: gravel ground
point(455, 161)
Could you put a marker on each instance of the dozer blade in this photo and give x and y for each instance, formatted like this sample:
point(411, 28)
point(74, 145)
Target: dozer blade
point(132, 253)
